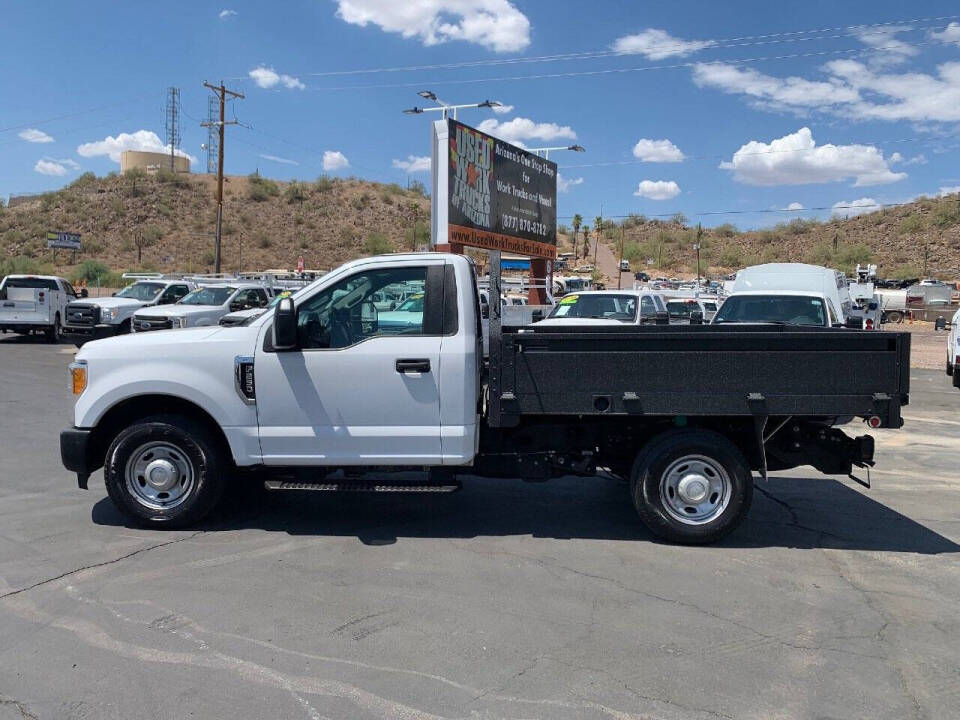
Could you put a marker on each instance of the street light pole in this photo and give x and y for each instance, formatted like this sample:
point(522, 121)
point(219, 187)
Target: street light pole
point(546, 150)
point(445, 108)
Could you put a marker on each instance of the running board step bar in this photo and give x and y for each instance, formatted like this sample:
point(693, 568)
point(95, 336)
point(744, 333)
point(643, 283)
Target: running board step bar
point(361, 486)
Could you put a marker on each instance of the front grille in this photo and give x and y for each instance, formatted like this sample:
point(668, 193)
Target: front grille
point(83, 315)
point(145, 324)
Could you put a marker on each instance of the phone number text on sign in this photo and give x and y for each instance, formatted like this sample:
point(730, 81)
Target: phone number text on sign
point(512, 222)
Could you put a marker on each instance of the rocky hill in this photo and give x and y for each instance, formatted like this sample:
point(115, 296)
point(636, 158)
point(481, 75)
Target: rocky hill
point(167, 221)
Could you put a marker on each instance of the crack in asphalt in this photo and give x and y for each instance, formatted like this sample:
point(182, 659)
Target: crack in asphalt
point(21, 708)
point(69, 573)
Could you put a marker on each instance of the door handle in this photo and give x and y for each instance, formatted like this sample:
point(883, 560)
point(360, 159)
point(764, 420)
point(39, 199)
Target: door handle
point(413, 366)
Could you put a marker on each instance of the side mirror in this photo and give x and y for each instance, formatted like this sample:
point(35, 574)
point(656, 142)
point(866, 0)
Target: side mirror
point(696, 318)
point(285, 325)
point(663, 318)
point(84, 293)
point(113, 294)
point(237, 305)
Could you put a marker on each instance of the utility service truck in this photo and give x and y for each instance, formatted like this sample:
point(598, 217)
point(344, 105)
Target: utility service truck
point(34, 303)
point(316, 385)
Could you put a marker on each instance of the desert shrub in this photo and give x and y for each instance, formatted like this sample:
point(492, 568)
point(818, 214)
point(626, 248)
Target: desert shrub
point(945, 214)
point(418, 188)
point(393, 189)
point(260, 189)
point(88, 179)
point(19, 265)
point(726, 230)
point(730, 257)
point(376, 244)
point(166, 176)
point(294, 192)
point(324, 184)
point(91, 271)
point(912, 224)
point(419, 234)
point(905, 272)
point(262, 241)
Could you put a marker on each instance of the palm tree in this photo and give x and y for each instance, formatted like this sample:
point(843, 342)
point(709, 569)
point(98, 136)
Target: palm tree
point(586, 241)
point(598, 229)
point(577, 221)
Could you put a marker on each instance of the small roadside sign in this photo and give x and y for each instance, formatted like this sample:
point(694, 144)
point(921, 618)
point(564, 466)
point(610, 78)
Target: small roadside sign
point(63, 240)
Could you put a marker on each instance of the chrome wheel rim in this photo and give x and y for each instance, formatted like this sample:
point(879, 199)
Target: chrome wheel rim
point(159, 475)
point(695, 489)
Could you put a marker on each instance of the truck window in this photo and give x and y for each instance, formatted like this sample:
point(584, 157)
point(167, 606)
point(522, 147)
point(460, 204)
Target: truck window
point(786, 309)
point(607, 307)
point(344, 314)
point(173, 293)
point(143, 291)
point(29, 282)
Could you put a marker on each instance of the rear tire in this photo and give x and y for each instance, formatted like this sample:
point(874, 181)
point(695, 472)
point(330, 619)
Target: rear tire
point(691, 486)
point(894, 316)
point(949, 368)
point(165, 471)
point(54, 333)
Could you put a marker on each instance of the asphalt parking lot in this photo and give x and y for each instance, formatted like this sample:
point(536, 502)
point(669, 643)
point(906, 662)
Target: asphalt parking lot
point(505, 600)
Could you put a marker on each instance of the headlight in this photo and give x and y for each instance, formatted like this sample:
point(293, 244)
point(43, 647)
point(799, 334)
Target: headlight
point(109, 313)
point(78, 376)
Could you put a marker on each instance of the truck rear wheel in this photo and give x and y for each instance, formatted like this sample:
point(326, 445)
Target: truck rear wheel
point(165, 471)
point(691, 486)
point(55, 331)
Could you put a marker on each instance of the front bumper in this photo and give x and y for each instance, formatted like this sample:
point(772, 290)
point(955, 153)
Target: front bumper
point(96, 332)
point(76, 455)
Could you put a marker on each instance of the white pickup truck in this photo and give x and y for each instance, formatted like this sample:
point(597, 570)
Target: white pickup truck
point(34, 303)
point(102, 317)
point(318, 385)
point(203, 307)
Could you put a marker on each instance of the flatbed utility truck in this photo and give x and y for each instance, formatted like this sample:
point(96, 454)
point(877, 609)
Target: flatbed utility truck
point(317, 384)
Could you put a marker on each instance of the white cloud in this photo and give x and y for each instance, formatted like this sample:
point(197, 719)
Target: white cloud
point(143, 140)
point(267, 78)
point(658, 44)
point(657, 189)
point(519, 129)
point(49, 167)
point(660, 151)
point(888, 49)
point(335, 160)
point(224, 14)
point(950, 34)
point(793, 92)
point(502, 109)
point(949, 190)
point(564, 185)
point(277, 158)
point(35, 136)
point(494, 24)
point(794, 206)
point(796, 159)
point(852, 90)
point(413, 163)
point(898, 159)
point(850, 208)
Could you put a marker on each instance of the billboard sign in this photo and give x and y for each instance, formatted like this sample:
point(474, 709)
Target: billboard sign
point(497, 196)
point(63, 240)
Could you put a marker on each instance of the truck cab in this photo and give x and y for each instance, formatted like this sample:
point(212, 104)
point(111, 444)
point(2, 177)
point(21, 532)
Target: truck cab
point(203, 307)
point(102, 317)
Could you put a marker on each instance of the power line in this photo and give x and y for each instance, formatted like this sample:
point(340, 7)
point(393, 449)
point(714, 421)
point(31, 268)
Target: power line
point(612, 71)
point(704, 213)
point(891, 27)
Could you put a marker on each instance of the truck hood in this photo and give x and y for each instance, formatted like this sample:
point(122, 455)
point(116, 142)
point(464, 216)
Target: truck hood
point(178, 310)
point(110, 302)
point(150, 344)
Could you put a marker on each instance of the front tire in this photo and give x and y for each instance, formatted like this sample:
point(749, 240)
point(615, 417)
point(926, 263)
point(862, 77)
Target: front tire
point(691, 486)
point(165, 471)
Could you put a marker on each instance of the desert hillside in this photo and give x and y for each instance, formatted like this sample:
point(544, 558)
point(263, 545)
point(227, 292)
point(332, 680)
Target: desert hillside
point(166, 222)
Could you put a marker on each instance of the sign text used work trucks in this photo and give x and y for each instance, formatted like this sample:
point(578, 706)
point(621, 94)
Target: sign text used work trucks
point(319, 384)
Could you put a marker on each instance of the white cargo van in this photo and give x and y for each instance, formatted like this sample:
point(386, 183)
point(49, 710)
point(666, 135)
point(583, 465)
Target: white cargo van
point(787, 293)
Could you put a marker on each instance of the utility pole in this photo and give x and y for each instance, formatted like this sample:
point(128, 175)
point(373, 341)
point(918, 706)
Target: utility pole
point(620, 267)
point(697, 248)
point(221, 93)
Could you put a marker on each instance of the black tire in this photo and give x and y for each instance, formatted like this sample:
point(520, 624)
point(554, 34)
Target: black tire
point(956, 379)
point(196, 446)
point(665, 452)
point(894, 316)
point(54, 333)
point(124, 328)
point(949, 368)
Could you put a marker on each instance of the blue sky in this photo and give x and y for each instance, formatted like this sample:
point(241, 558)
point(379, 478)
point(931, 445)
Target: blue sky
point(690, 107)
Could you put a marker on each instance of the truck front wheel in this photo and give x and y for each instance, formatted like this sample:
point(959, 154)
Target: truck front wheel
point(165, 471)
point(691, 486)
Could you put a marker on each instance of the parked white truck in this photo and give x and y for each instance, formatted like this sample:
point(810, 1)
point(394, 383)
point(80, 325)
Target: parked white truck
point(318, 385)
point(203, 307)
point(34, 303)
point(96, 318)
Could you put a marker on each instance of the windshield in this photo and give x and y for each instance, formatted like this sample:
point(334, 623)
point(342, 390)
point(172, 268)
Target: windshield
point(208, 296)
point(38, 283)
point(604, 307)
point(141, 291)
point(789, 309)
point(414, 304)
point(681, 308)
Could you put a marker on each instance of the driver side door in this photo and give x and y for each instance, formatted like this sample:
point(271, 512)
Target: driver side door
point(362, 388)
